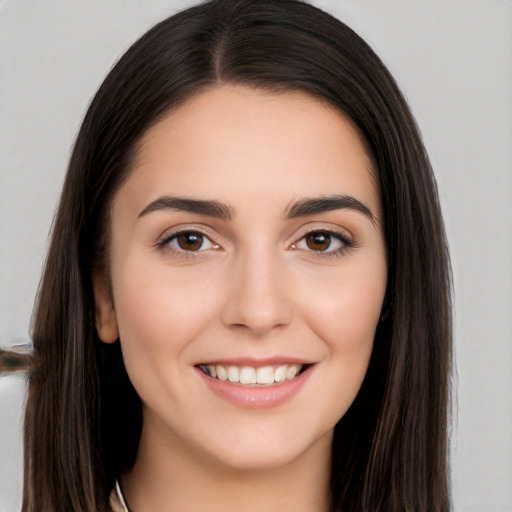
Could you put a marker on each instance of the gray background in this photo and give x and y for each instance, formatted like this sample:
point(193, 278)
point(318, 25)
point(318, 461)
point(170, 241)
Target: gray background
point(453, 60)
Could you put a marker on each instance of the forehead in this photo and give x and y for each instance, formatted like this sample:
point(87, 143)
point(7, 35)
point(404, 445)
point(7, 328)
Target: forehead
point(237, 140)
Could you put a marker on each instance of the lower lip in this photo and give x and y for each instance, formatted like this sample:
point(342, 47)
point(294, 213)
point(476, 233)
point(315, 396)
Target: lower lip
point(254, 397)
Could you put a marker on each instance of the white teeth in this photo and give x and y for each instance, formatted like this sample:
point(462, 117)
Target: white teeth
point(247, 375)
point(292, 371)
point(233, 374)
point(265, 375)
point(222, 374)
point(280, 373)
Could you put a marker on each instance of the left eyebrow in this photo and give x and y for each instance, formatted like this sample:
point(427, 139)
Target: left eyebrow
point(199, 206)
point(311, 206)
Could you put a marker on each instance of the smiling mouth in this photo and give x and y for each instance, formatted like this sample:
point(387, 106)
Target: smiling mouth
point(251, 376)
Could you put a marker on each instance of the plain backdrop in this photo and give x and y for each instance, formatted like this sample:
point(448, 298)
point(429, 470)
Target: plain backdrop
point(453, 60)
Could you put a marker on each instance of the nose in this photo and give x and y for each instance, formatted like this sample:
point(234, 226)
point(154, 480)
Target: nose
point(258, 297)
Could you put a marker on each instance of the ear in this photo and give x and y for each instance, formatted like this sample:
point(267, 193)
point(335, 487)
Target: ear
point(105, 315)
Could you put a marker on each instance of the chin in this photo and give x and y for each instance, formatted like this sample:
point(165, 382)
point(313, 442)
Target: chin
point(255, 451)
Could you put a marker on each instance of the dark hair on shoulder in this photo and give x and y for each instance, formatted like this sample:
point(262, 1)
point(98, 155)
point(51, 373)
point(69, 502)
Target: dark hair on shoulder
point(83, 417)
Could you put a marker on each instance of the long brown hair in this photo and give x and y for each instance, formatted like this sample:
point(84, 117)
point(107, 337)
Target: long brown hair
point(83, 417)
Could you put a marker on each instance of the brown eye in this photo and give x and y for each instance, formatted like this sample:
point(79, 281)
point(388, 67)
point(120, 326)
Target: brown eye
point(318, 241)
point(190, 241)
point(325, 243)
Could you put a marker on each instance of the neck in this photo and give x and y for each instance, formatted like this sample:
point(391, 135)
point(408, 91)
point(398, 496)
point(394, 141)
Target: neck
point(169, 477)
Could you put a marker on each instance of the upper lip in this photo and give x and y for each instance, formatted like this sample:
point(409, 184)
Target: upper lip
point(255, 362)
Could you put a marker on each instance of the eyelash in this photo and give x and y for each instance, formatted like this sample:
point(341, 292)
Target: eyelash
point(165, 243)
point(346, 243)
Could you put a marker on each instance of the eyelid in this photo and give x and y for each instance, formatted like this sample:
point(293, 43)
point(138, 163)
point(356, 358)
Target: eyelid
point(325, 227)
point(184, 228)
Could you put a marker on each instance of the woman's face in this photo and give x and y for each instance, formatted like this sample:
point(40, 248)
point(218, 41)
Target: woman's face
point(246, 248)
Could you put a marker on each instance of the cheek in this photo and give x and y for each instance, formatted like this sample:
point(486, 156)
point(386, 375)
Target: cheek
point(345, 310)
point(344, 314)
point(347, 328)
point(160, 311)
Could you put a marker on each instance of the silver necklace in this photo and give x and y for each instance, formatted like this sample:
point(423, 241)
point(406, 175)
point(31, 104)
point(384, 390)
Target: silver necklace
point(120, 497)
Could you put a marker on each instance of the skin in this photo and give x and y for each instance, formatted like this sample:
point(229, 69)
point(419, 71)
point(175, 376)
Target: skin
point(255, 288)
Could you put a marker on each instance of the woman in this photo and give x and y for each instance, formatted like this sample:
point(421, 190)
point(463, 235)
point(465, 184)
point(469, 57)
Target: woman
point(246, 298)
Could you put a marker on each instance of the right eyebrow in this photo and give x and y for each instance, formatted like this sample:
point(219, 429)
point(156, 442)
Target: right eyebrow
point(200, 206)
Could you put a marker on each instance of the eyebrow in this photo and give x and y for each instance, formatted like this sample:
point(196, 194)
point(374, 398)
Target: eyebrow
point(311, 206)
point(303, 207)
point(199, 206)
